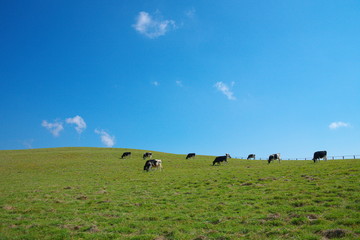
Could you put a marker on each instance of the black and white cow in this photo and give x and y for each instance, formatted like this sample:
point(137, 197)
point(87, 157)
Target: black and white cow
point(251, 156)
point(190, 155)
point(153, 164)
point(125, 154)
point(319, 155)
point(220, 159)
point(147, 155)
point(274, 157)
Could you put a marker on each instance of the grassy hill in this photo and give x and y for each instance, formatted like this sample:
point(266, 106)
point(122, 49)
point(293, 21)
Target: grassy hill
point(90, 193)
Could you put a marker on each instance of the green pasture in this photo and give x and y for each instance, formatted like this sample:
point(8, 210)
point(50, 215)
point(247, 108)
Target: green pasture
point(90, 193)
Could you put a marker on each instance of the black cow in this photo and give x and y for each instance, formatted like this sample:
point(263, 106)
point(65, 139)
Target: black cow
point(220, 159)
point(273, 157)
point(125, 154)
point(147, 155)
point(251, 156)
point(153, 163)
point(319, 155)
point(190, 155)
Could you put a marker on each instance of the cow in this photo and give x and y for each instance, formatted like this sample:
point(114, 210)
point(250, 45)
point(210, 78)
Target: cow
point(153, 163)
point(220, 159)
point(125, 154)
point(190, 155)
point(319, 155)
point(251, 156)
point(147, 155)
point(274, 157)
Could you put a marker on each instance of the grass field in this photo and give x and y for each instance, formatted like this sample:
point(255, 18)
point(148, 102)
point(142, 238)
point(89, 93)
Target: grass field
point(90, 193)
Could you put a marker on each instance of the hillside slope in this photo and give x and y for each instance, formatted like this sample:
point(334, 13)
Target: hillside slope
point(90, 193)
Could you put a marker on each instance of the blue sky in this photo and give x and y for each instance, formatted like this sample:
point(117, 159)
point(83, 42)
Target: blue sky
point(210, 77)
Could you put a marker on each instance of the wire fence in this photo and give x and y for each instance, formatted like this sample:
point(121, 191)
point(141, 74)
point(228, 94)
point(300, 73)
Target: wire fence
point(309, 158)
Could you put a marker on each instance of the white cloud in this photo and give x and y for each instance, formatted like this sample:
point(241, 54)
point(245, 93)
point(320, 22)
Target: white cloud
point(222, 87)
point(79, 122)
point(336, 125)
point(106, 139)
point(54, 128)
point(152, 27)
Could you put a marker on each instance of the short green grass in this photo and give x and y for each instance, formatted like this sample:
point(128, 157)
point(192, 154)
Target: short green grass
point(90, 193)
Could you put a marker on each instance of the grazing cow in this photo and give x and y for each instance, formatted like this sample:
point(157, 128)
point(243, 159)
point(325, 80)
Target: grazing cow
point(153, 163)
point(251, 156)
point(220, 159)
point(147, 155)
point(125, 154)
point(319, 155)
point(274, 157)
point(190, 155)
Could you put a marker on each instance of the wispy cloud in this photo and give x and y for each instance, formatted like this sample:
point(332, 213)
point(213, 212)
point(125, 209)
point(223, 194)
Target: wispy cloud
point(222, 87)
point(28, 143)
point(190, 13)
point(106, 139)
point(79, 122)
point(336, 125)
point(155, 83)
point(55, 128)
point(179, 83)
point(152, 26)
